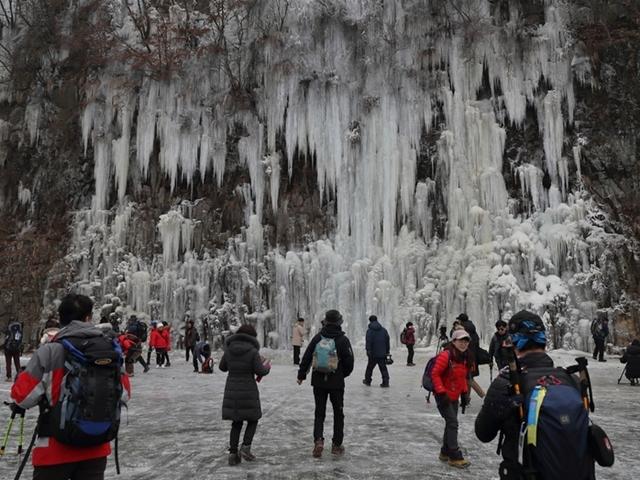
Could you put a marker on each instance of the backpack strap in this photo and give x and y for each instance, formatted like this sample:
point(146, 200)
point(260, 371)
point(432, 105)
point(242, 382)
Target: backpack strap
point(535, 402)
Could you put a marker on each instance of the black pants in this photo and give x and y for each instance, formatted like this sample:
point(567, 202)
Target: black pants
point(149, 355)
point(141, 361)
point(249, 432)
point(187, 351)
point(86, 470)
point(337, 402)
point(409, 354)
point(598, 351)
point(372, 362)
point(450, 436)
point(15, 356)
point(296, 355)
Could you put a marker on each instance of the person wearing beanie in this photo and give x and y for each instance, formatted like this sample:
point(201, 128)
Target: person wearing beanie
point(378, 347)
point(408, 338)
point(241, 401)
point(500, 412)
point(450, 374)
point(330, 356)
point(631, 357)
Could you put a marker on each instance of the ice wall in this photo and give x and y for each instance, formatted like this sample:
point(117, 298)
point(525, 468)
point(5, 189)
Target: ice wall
point(356, 86)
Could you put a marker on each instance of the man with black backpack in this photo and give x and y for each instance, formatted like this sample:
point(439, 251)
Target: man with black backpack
point(330, 355)
point(545, 406)
point(13, 347)
point(79, 384)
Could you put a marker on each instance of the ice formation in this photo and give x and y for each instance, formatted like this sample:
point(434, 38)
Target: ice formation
point(355, 88)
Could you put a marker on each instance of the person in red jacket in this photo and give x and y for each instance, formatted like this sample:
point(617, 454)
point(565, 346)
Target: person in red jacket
point(166, 334)
point(409, 339)
point(153, 339)
point(131, 351)
point(161, 342)
point(450, 374)
point(42, 381)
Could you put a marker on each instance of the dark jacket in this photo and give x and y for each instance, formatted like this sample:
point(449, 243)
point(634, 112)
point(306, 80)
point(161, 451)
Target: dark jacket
point(191, 337)
point(497, 352)
point(632, 358)
point(377, 340)
point(499, 412)
point(242, 360)
point(335, 380)
point(599, 329)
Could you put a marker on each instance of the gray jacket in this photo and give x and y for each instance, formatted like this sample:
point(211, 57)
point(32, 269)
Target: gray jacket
point(242, 360)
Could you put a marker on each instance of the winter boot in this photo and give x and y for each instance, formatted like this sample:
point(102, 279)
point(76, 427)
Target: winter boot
point(384, 384)
point(245, 452)
point(367, 383)
point(234, 458)
point(317, 448)
point(337, 449)
point(457, 460)
point(444, 455)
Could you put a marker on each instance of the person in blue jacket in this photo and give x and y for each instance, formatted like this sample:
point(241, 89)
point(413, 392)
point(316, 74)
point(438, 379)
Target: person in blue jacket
point(378, 347)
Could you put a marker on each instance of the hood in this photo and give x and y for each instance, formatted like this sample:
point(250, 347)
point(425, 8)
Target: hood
point(240, 343)
point(375, 325)
point(78, 329)
point(469, 326)
point(331, 330)
point(633, 350)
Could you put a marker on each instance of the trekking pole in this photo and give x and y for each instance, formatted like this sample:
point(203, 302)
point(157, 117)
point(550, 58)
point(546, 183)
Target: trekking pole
point(5, 440)
point(623, 370)
point(585, 382)
point(21, 438)
point(26, 457)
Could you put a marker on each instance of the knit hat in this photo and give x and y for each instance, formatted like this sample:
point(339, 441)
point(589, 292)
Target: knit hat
point(333, 317)
point(460, 334)
point(526, 328)
point(462, 317)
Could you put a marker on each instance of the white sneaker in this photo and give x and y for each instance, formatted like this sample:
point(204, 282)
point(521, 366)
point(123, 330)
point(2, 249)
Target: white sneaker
point(157, 366)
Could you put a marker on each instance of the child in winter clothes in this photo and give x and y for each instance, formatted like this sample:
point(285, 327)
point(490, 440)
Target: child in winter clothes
point(241, 400)
point(450, 374)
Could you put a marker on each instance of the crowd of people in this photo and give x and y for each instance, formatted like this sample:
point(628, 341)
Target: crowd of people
point(526, 375)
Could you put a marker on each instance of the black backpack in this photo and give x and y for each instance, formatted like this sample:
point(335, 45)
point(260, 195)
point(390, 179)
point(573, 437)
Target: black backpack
point(139, 329)
point(88, 411)
point(13, 343)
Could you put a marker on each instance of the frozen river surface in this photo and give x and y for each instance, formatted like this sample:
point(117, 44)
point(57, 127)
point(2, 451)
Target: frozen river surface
point(175, 431)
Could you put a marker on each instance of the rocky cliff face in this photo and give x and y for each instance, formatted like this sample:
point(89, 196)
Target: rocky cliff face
point(86, 181)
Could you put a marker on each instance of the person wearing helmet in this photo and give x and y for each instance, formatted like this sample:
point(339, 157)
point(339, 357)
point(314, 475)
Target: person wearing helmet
point(503, 407)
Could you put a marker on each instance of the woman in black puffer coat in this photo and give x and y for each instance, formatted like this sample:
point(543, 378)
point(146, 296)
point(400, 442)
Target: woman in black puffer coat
point(632, 358)
point(241, 398)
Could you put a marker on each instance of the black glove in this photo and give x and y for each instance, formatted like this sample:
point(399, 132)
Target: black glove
point(506, 406)
point(465, 400)
point(16, 410)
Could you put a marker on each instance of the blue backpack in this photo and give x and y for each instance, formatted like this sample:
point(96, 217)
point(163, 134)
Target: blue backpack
point(325, 356)
point(555, 432)
point(88, 411)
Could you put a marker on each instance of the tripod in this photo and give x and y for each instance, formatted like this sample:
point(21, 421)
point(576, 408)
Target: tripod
point(5, 440)
point(623, 370)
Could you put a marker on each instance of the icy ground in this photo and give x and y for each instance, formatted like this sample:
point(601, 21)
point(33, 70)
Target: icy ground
point(175, 431)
